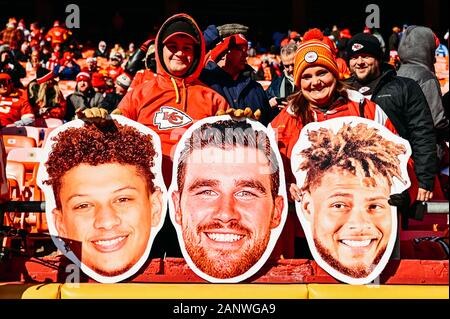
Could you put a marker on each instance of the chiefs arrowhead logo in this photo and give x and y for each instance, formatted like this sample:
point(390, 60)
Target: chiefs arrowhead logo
point(357, 47)
point(169, 117)
point(311, 57)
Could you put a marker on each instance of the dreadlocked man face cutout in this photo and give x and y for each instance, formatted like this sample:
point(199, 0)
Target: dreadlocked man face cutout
point(347, 172)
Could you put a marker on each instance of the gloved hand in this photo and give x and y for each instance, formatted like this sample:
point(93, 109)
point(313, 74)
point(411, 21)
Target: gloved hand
point(239, 113)
point(144, 46)
point(399, 200)
point(95, 115)
point(226, 30)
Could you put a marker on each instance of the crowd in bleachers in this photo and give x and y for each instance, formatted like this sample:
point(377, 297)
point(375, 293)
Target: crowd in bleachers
point(50, 75)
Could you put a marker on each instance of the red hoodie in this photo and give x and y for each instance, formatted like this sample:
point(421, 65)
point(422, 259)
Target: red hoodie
point(168, 104)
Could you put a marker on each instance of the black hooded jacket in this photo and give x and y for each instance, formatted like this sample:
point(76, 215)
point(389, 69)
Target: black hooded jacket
point(404, 103)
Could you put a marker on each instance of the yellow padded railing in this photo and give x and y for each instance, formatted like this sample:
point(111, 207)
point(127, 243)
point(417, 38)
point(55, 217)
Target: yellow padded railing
point(330, 291)
point(186, 291)
point(219, 291)
point(29, 291)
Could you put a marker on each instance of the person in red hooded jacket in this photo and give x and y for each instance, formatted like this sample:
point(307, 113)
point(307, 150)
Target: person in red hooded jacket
point(170, 102)
point(15, 110)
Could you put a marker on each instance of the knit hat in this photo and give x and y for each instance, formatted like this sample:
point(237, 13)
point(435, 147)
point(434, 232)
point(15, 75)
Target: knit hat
point(316, 34)
point(46, 77)
point(363, 43)
point(177, 28)
point(67, 56)
point(226, 44)
point(313, 53)
point(98, 80)
point(5, 76)
point(83, 76)
point(124, 81)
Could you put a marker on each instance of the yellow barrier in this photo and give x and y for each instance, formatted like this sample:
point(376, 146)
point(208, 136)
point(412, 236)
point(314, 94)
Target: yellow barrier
point(220, 291)
point(330, 291)
point(29, 291)
point(185, 291)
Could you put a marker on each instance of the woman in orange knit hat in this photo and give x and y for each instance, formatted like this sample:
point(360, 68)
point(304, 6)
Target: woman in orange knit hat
point(319, 95)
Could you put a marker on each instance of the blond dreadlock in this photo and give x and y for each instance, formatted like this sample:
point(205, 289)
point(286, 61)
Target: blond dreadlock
point(359, 150)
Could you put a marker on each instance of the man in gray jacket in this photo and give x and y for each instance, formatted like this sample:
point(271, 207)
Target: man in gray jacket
point(417, 54)
point(83, 98)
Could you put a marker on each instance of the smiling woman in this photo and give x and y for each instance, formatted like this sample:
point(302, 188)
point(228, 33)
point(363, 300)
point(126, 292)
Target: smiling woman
point(105, 196)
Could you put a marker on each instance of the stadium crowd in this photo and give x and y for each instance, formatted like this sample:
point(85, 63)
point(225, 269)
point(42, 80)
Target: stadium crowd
point(48, 73)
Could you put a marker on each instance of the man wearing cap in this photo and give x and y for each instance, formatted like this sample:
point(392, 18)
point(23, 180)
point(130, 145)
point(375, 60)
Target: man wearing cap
point(8, 64)
point(175, 98)
point(14, 106)
point(228, 73)
point(114, 69)
point(67, 68)
point(113, 99)
point(91, 65)
point(403, 102)
point(83, 98)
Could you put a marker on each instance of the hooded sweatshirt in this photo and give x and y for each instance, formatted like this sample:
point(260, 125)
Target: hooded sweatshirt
point(417, 54)
point(168, 104)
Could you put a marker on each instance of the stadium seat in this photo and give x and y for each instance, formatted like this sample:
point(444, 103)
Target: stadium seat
point(30, 158)
point(17, 141)
point(29, 131)
point(16, 170)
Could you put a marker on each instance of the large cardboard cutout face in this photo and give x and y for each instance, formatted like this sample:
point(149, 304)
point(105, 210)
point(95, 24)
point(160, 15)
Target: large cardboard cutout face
point(227, 199)
point(347, 168)
point(105, 197)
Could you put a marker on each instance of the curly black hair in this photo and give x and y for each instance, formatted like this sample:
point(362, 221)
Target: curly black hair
point(93, 146)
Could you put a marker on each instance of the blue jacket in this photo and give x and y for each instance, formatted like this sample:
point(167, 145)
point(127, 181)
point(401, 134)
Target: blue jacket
point(240, 93)
point(67, 73)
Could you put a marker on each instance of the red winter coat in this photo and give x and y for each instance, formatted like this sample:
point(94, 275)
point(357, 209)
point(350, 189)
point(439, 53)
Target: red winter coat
point(14, 107)
point(57, 35)
point(141, 77)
